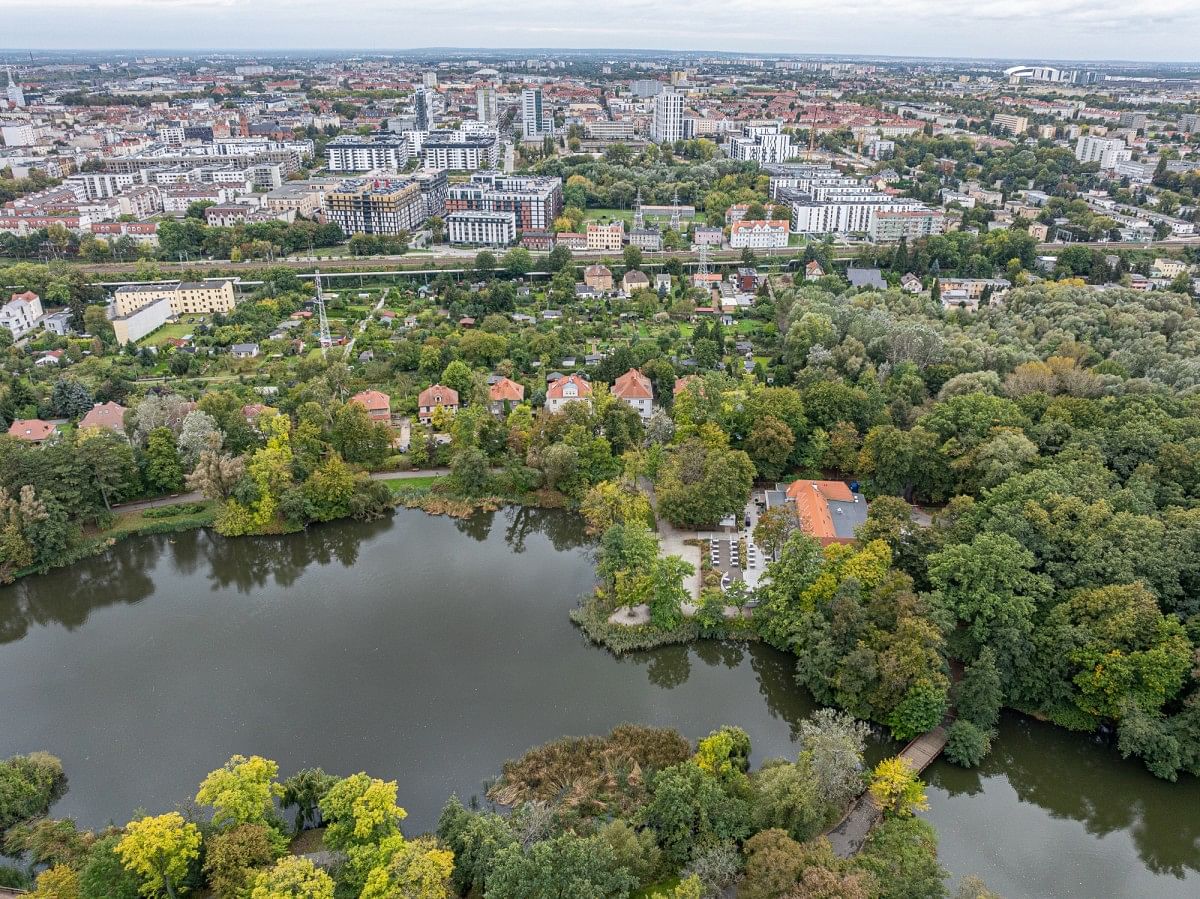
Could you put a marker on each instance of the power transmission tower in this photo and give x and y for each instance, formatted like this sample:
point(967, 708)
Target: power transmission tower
point(322, 320)
point(675, 211)
point(702, 265)
point(639, 220)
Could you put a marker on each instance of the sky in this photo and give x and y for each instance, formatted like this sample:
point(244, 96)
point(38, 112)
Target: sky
point(1153, 30)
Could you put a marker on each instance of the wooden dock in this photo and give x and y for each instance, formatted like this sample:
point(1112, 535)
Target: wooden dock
point(849, 835)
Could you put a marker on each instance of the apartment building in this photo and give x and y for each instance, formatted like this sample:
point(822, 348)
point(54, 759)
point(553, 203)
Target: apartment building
point(479, 228)
point(460, 150)
point(536, 122)
point(605, 238)
point(534, 201)
point(764, 144)
point(376, 206)
point(1107, 151)
point(891, 225)
point(186, 297)
point(19, 315)
point(356, 153)
point(667, 124)
point(137, 323)
point(761, 234)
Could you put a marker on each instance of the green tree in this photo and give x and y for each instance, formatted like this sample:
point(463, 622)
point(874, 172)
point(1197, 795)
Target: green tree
point(690, 810)
point(563, 867)
point(360, 810)
point(293, 878)
point(232, 857)
point(102, 876)
point(163, 469)
point(303, 791)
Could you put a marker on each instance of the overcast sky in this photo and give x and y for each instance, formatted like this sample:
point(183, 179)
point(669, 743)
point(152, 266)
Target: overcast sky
point(1034, 29)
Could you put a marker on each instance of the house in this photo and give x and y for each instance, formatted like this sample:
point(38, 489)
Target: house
point(813, 271)
point(634, 280)
point(746, 280)
point(635, 389)
point(57, 323)
point(681, 384)
point(105, 415)
point(20, 313)
point(598, 277)
point(866, 277)
point(571, 389)
point(1167, 268)
point(244, 350)
point(32, 430)
point(910, 283)
point(829, 511)
point(662, 282)
point(51, 357)
point(437, 396)
point(377, 404)
point(504, 394)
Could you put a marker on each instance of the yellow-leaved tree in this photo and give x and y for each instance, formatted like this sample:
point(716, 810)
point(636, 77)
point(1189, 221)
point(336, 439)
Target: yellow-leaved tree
point(242, 791)
point(159, 850)
point(896, 787)
point(293, 878)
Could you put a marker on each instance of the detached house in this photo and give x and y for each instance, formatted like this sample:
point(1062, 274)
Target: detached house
point(105, 415)
point(635, 389)
point(32, 430)
point(20, 313)
point(504, 394)
point(571, 389)
point(434, 397)
point(598, 277)
point(829, 511)
point(377, 404)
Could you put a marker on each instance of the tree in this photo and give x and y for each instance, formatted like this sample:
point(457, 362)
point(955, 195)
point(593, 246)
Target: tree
point(563, 867)
point(457, 376)
point(29, 785)
point(70, 399)
point(59, 882)
point(304, 791)
point(896, 788)
point(774, 862)
point(980, 693)
point(632, 255)
point(559, 258)
point(770, 445)
point(902, 855)
point(614, 502)
point(216, 474)
point(831, 750)
point(198, 433)
point(786, 798)
point(967, 743)
point(360, 810)
point(231, 857)
point(691, 810)
point(102, 876)
point(518, 262)
point(163, 470)
point(357, 437)
point(21, 519)
point(242, 791)
point(416, 869)
point(293, 878)
point(485, 263)
point(700, 484)
point(774, 526)
point(160, 850)
point(475, 840)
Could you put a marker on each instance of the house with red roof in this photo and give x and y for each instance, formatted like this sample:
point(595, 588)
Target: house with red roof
point(105, 415)
point(377, 404)
point(434, 397)
point(635, 389)
point(571, 389)
point(504, 394)
point(32, 430)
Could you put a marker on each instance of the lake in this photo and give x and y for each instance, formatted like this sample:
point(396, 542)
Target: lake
point(429, 650)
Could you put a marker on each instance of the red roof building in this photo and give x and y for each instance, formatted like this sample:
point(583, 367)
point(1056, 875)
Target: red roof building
point(437, 396)
point(105, 415)
point(31, 430)
point(635, 389)
point(571, 389)
point(377, 404)
point(829, 511)
point(505, 393)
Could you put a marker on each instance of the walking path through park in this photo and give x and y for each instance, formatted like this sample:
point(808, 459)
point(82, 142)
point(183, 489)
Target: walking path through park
point(849, 835)
point(195, 496)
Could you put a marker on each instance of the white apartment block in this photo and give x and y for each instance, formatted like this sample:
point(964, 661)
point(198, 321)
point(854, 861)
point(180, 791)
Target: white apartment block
point(17, 134)
point(764, 144)
point(535, 122)
point(667, 125)
point(459, 151)
point(478, 228)
point(758, 234)
point(1107, 151)
point(1011, 124)
point(144, 320)
point(486, 108)
point(350, 153)
point(20, 314)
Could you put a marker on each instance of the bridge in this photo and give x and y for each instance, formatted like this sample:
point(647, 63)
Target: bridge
point(849, 835)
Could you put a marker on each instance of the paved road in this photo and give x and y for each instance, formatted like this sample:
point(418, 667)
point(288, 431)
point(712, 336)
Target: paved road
point(195, 496)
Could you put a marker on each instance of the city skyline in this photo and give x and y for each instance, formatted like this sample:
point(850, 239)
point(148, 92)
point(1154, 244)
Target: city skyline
point(1158, 31)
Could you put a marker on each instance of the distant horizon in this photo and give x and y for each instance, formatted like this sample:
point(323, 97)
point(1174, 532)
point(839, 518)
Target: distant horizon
point(1154, 31)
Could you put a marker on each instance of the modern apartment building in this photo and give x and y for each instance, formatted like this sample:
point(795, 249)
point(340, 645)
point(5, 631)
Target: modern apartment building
point(535, 121)
point(1107, 151)
point(479, 228)
point(764, 144)
point(357, 153)
point(1011, 124)
point(534, 201)
point(376, 206)
point(185, 297)
point(486, 108)
point(459, 151)
point(667, 125)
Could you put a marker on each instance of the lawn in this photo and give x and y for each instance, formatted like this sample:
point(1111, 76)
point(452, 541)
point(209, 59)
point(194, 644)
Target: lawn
point(608, 215)
point(160, 520)
point(412, 485)
point(175, 329)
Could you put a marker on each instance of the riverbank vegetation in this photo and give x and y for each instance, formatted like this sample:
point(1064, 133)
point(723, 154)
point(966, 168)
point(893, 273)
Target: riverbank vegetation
point(637, 811)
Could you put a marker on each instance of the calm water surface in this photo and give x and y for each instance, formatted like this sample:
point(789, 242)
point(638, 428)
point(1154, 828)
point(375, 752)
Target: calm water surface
point(430, 650)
